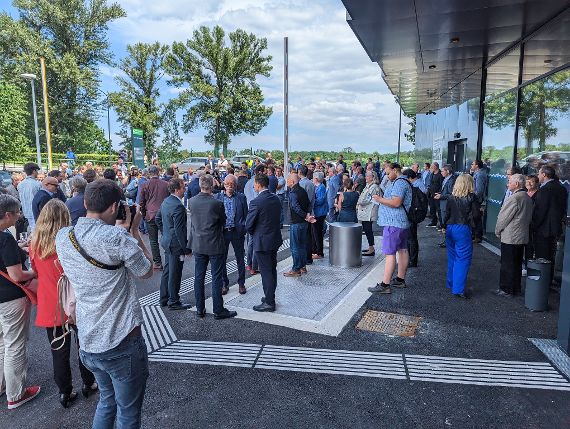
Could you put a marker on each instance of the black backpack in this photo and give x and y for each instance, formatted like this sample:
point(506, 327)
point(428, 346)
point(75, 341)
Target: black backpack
point(419, 207)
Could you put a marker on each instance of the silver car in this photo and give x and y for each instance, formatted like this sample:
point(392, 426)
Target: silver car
point(194, 162)
point(238, 159)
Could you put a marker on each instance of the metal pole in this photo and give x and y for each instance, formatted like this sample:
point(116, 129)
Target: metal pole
point(286, 105)
point(109, 130)
point(399, 136)
point(46, 111)
point(38, 149)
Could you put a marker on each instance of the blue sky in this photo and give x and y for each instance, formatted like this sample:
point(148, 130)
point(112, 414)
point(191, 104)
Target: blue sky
point(336, 95)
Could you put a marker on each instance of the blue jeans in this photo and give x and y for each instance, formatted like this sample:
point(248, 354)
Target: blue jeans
point(459, 253)
point(298, 241)
point(251, 259)
point(121, 374)
point(216, 267)
point(282, 201)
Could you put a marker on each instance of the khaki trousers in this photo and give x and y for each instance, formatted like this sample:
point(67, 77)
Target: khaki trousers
point(14, 329)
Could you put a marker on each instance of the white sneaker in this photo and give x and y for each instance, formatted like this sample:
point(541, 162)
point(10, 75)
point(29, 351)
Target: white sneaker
point(523, 273)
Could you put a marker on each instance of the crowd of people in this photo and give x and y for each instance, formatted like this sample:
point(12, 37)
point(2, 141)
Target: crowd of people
point(86, 226)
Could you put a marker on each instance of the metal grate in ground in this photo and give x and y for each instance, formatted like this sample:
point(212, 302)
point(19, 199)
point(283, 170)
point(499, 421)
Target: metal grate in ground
point(389, 323)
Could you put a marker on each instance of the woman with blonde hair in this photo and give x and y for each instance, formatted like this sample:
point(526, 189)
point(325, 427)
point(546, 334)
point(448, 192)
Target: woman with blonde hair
point(461, 214)
point(45, 263)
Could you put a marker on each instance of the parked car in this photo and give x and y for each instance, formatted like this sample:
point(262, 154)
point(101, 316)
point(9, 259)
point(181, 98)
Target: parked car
point(558, 159)
point(238, 159)
point(194, 162)
point(5, 178)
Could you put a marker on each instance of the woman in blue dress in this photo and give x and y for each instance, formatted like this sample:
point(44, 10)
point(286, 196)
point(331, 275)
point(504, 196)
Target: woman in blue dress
point(347, 200)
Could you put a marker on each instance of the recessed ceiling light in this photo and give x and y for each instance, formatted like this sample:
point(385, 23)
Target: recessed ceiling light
point(547, 61)
point(432, 66)
point(454, 40)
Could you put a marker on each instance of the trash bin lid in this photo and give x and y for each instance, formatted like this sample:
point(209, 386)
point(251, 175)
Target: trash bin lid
point(540, 261)
point(345, 225)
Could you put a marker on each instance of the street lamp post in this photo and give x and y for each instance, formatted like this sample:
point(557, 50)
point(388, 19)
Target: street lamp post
point(108, 124)
point(32, 77)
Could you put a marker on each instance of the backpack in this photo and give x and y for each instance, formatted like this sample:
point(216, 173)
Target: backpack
point(419, 207)
point(65, 307)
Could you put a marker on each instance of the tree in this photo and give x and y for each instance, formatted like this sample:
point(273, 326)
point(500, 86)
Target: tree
point(411, 135)
point(220, 92)
point(72, 37)
point(543, 102)
point(14, 115)
point(169, 150)
point(137, 103)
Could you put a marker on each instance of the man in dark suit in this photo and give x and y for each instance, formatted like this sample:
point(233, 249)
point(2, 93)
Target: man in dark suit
point(434, 188)
point(194, 185)
point(171, 221)
point(50, 185)
point(76, 204)
point(263, 226)
point(153, 193)
point(235, 206)
point(210, 162)
point(548, 214)
point(207, 220)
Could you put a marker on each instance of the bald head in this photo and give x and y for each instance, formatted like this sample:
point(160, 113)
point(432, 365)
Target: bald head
point(230, 183)
point(292, 179)
point(50, 184)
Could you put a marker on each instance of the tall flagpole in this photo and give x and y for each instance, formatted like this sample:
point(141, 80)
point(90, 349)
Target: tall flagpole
point(46, 111)
point(286, 105)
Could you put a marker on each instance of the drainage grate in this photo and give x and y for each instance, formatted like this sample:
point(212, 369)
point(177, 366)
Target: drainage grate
point(389, 323)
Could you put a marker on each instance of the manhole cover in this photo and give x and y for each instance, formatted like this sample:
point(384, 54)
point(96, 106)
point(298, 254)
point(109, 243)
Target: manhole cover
point(389, 323)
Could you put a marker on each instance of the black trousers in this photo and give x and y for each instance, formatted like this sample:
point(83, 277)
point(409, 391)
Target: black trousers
point(529, 248)
point(318, 231)
point(153, 239)
point(511, 266)
point(413, 245)
point(545, 247)
point(171, 278)
point(61, 364)
point(367, 228)
point(267, 262)
point(237, 241)
point(309, 244)
point(433, 210)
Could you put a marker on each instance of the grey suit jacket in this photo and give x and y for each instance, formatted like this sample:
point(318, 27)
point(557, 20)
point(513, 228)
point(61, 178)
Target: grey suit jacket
point(207, 221)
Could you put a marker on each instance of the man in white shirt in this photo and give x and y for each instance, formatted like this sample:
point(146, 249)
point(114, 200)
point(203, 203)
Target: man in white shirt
point(27, 190)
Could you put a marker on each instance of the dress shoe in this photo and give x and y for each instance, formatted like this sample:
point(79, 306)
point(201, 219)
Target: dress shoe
point(500, 292)
point(164, 304)
point(201, 314)
point(65, 399)
point(461, 295)
point(179, 306)
point(242, 290)
point(303, 270)
point(292, 274)
point(368, 253)
point(86, 391)
point(477, 240)
point(225, 314)
point(317, 257)
point(264, 307)
point(157, 266)
point(225, 290)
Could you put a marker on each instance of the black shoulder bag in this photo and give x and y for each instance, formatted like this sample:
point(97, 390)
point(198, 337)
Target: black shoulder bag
point(91, 260)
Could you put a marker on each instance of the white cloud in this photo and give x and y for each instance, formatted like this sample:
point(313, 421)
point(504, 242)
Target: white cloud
point(336, 95)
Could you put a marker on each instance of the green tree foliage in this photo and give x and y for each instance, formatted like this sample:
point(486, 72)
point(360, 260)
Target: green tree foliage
point(411, 135)
point(169, 150)
point(14, 114)
point(72, 37)
point(543, 102)
point(220, 92)
point(137, 103)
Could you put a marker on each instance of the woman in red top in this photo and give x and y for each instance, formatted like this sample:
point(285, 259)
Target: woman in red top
point(53, 217)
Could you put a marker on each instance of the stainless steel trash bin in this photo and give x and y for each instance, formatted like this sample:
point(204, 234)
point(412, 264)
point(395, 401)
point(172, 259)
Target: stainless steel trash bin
point(537, 285)
point(345, 244)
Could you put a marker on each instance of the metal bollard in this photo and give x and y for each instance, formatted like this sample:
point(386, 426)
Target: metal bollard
point(537, 285)
point(345, 244)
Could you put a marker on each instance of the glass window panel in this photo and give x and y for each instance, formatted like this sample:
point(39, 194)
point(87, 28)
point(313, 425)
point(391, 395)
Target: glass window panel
point(548, 49)
point(544, 125)
point(503, 75)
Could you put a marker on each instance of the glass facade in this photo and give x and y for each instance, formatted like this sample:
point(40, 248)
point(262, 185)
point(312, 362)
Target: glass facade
point(526, 123)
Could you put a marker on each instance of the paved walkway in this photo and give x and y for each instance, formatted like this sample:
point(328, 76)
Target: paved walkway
point(470, 364)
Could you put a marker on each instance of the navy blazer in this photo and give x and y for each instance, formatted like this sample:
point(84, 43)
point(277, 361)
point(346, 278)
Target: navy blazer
point(262, 222)
point(240, 206)
point(193, 188)
point(76, 206)
point(172, 223)
point(40, 200)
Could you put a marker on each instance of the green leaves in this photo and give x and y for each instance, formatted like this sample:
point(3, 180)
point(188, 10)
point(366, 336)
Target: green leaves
point(219, 83)
point(14, 115)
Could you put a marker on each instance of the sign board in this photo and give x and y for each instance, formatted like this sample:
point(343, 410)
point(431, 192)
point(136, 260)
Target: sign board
point(138, 147)
point(437, 151)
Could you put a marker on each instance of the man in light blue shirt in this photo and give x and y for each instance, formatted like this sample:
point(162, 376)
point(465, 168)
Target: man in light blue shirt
point(333, 186)
point(392, 215)
point(27, 190)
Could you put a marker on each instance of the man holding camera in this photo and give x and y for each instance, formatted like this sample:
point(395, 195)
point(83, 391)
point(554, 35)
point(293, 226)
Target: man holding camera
point(102, 259)
point(172, 223)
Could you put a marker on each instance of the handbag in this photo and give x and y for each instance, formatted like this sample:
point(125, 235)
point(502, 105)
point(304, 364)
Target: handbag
point(65, 307)
point(30, 288)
